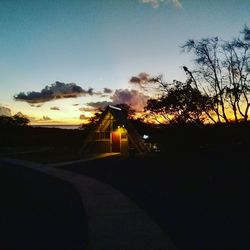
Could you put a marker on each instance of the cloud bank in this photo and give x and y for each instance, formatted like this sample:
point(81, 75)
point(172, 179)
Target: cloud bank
point(157, 3)
point(97, 105)
point(4, 111)
point(137, 100)
point(55, 108)
point(142, 79)
point(57, 90)
point(107, 91)
point(88, 109)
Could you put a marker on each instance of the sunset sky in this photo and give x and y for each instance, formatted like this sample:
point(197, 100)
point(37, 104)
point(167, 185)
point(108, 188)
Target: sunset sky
point(99, 45)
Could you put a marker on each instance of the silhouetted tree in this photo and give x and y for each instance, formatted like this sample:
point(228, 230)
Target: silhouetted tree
point(6, 121)
point(217, 87)
point(222, 74)
point(13, 121)
point(21, 120)
point(95, 117)
point(180, 104)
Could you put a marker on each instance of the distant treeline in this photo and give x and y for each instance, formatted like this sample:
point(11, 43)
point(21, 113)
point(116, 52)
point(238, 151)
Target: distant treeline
point(41, 137)
point(189, 137)
point(13, 121)
point(174, 139)
point(169, 138)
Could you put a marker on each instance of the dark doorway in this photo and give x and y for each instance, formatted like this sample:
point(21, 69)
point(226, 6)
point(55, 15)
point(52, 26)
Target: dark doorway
point(116, 141)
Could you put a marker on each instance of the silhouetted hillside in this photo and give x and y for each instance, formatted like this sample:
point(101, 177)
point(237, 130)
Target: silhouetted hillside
point(40, 137)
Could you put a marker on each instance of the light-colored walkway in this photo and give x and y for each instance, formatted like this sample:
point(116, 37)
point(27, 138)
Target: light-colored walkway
point(115, 222)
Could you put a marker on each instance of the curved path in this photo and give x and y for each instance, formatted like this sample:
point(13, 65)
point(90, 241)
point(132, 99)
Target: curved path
point(115, 222)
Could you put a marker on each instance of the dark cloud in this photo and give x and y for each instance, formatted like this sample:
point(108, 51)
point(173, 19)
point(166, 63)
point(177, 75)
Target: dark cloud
point(137, 100)
point(46, 118)
point(55, 108)
point(76, 104)
point(57, 90)
point(141, 79)
point(107, 91)
point(36, 105)
point(99, 105)
point(5, 111)
point(87, 109)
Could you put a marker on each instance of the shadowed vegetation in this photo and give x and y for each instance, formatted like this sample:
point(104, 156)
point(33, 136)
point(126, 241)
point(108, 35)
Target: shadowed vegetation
point(217, 89)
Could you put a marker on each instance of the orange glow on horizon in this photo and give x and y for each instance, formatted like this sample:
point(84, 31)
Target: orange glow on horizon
point(145, 117)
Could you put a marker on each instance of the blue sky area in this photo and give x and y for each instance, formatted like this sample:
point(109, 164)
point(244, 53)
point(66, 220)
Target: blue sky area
point(101, 43)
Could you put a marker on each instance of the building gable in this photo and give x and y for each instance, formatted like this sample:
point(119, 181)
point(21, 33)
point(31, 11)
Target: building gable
point(114, 128)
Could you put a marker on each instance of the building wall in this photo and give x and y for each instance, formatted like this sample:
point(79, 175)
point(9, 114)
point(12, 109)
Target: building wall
point(105, 147)
point(124, 147)
point(99, 147)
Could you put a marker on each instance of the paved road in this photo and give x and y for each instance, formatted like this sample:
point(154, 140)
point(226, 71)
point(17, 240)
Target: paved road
point(39, 212)
point(115, 222)
point(202, 205)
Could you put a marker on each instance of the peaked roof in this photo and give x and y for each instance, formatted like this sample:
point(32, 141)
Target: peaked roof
point(133, 135)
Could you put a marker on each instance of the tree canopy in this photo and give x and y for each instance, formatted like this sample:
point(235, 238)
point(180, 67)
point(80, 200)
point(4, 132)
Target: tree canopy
point(181, 104)
point(217, 89)
point(221, 72)
point(13, 121)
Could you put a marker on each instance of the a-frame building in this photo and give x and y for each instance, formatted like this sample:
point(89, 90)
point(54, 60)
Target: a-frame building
point(114, 133)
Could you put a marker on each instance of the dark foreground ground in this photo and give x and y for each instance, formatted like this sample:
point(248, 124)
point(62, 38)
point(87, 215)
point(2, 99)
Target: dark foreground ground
point(196, 189)
point(39, 212)
point(200, 200)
